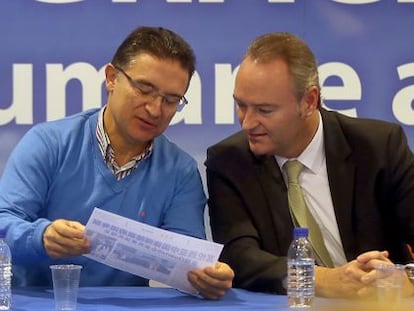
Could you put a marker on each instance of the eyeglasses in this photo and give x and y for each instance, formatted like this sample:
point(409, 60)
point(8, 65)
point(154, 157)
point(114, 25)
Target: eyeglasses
point(148, 90)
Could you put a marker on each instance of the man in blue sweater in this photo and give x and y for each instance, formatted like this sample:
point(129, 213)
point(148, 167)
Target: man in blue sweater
point(115, 158)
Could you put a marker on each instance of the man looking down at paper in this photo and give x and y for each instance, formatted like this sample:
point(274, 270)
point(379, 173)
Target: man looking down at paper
point(355, 176)
point(114, 158)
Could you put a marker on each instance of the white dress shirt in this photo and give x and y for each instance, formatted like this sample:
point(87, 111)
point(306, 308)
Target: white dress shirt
point(315, 187)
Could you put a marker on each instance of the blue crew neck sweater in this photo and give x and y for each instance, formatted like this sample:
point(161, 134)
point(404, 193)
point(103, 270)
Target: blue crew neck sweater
point(57, 171)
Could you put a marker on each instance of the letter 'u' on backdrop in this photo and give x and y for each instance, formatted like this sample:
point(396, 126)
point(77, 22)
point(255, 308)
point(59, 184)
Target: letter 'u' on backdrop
point(53, 53)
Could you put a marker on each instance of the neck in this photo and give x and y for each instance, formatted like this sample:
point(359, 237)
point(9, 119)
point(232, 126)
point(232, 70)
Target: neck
point(124, 149)
point(307, 133)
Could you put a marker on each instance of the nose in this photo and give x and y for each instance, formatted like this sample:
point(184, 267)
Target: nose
point(248, 119)
point(154, 105)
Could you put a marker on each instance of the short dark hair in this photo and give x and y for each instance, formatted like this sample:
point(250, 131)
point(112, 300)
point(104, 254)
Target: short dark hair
point(294, 51)
point(156, 41)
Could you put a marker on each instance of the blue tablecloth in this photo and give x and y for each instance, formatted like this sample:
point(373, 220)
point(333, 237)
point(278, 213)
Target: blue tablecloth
point(147, 298)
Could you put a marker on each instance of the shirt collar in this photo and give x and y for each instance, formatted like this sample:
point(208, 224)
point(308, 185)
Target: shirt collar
point(103, 139)
point(105, 144)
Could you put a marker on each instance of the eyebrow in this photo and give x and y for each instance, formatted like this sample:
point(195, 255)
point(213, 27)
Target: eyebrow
point(154, 87)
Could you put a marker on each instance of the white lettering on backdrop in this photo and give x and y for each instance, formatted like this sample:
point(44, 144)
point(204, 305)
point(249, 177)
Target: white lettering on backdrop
point(90, 79)
point(402, 105)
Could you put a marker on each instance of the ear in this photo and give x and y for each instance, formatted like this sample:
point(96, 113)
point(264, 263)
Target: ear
point(110, 77)
point(310, 101)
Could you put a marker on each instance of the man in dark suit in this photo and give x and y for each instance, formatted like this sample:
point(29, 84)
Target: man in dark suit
point(358, 178)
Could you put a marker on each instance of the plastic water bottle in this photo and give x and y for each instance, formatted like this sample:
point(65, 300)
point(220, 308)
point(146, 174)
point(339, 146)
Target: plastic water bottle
point(300, 270)
point(5, 273)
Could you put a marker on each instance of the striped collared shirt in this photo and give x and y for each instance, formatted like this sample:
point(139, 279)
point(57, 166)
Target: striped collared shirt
point(108, 152)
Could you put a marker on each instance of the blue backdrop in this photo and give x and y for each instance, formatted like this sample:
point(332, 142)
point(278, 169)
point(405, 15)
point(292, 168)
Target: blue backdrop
point(53, 52)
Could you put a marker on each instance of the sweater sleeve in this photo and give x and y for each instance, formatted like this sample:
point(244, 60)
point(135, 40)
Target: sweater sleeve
point(23, 194)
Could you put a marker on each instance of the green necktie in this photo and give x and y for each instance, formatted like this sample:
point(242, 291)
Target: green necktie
point(301, 214)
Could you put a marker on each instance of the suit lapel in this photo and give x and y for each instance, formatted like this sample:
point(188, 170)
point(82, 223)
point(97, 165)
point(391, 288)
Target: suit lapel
point(341, 173)
point(274, 188)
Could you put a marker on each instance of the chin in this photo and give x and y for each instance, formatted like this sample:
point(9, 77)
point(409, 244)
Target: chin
point(257, 150)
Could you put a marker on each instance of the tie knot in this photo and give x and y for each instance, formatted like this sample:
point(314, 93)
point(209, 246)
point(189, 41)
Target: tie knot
point(293, 169)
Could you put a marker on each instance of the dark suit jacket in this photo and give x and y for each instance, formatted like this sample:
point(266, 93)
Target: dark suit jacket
point(371, 176)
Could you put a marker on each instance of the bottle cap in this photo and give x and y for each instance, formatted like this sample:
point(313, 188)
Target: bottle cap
point(300, 232)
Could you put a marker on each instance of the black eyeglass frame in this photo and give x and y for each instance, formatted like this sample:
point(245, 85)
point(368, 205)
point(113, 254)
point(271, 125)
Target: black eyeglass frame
point(146, 89)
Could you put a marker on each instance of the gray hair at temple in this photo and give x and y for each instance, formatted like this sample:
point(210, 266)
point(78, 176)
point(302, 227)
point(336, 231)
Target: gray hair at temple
point(294, 51)
point(156, 41)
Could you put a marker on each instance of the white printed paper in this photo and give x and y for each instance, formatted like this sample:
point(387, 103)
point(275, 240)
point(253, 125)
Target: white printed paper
point(147, 251)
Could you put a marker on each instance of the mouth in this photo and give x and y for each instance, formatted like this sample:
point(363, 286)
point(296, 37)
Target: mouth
point(254, 136)
point(146, 123)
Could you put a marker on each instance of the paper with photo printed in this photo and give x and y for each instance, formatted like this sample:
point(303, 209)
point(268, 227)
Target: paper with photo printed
point(147, 251)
